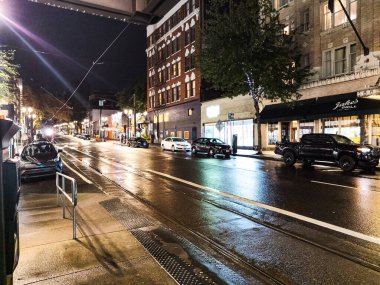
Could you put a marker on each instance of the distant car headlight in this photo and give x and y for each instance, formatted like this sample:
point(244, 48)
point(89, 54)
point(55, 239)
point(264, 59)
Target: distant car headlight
point(364, 149)
point(49, 132)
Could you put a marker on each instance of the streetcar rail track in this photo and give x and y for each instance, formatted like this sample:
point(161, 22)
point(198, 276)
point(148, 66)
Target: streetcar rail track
point(229, 254)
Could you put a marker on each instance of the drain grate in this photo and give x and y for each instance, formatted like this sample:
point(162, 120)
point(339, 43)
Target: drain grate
point(182, 272)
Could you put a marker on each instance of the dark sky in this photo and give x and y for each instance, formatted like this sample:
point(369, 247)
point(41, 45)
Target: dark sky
point(67, 40)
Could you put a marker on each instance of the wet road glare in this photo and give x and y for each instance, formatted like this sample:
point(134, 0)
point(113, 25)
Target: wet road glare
point(258, 209)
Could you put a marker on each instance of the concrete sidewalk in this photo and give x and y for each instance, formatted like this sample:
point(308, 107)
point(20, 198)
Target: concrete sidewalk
point(103, 253)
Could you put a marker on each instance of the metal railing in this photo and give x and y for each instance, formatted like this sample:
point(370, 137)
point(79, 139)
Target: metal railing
point(61, 188)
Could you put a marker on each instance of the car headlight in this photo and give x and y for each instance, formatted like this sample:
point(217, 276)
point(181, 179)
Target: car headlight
point(364, 149)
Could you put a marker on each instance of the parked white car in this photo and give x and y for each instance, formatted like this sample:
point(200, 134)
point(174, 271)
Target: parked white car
point(174, 144)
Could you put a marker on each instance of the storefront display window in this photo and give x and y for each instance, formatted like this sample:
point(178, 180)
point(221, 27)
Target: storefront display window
point(330, 126)
point(272, 133)
point(350, 127)
point(305, 127)
point(376, 130)
point(225, 130)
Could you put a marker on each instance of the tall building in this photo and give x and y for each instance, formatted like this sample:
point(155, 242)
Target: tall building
point(342, 95)
point(173, 85)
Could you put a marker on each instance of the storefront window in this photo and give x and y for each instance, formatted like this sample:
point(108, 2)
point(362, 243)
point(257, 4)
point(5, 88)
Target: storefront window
point(272, 133)
point(376, 130)
point(225, 130)
point(306, 127)
point(330, 126)
point(350, 127)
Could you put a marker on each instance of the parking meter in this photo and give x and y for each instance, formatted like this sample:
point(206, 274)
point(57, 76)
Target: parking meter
point(9, 193)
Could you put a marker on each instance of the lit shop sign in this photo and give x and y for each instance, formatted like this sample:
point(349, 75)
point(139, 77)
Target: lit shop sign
point(347, 105)
point(373, 93)
point(212, 111)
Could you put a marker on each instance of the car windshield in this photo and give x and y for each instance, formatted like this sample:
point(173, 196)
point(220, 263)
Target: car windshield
point(216, 141)
point(342, 139)
point(42, 149)
point(178, 140)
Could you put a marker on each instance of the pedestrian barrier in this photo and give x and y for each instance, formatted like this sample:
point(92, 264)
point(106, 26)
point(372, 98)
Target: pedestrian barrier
point(61, 189)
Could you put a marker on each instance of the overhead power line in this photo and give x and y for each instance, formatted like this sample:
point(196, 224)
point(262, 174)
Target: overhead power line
point(91, 67)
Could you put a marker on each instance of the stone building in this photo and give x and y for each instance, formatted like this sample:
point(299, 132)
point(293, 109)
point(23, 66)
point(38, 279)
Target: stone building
point(342, 95)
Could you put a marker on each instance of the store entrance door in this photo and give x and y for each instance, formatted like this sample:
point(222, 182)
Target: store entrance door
point(285, 132)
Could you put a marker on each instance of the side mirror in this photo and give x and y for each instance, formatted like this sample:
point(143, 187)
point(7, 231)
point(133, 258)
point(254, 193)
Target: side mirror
point(17, 154)
point(59, 150)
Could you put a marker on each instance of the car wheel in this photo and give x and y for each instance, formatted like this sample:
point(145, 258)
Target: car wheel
point(211, 152)
point(129, 144)
point(289, 158)
point(193, 150)
point(347, 163)
point(173, 148)
point(162, 147)
point(227, 156)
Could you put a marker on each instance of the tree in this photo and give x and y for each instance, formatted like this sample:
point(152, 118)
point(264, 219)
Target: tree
point(245, 51)
point(45, 105)
point(8, 73)
point(133, 97)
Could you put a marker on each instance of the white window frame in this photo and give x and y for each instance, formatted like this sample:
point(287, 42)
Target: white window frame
point(330, 22)
point(333, 61)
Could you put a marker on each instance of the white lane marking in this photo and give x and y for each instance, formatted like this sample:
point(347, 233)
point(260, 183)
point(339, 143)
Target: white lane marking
point(77, 173)
point(276, 210)
point(332, 184)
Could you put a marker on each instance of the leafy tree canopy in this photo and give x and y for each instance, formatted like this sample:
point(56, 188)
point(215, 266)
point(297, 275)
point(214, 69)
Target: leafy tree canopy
point(246, 51)
point(45, 105)
point(8, 72)
point(126, 98)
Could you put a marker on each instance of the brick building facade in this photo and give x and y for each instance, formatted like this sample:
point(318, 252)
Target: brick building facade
point(173, 81)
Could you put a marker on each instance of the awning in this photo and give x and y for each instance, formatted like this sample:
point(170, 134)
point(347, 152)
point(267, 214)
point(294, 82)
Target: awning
point(343, 105)
point(286, 111)
point(323, 107)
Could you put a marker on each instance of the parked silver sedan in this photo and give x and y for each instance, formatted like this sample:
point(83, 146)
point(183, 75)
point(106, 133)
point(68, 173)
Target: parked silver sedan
point(40, 159)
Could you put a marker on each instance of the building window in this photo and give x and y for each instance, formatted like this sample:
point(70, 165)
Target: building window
point(327, 64)
point(188, 90)
point(272, 134)
point(306, 21)
point(174, 70)
point(352, 57)
point(192, 88)
point(192, 34)
point(176, 93)
point(339, 17)
point(187, 37)
point(168, 96)
point(190, 111)
point(190, 62)
point(186, 135)
point(340, 60)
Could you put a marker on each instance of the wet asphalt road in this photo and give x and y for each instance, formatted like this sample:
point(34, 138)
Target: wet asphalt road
point(179, 185)
point(352, 202)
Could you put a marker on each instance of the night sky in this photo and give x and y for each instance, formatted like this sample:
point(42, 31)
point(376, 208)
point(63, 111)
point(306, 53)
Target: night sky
point(70, 41)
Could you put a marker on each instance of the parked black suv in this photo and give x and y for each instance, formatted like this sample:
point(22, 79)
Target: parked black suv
point(211, 147)
point(328, 147)
point(137, 142)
